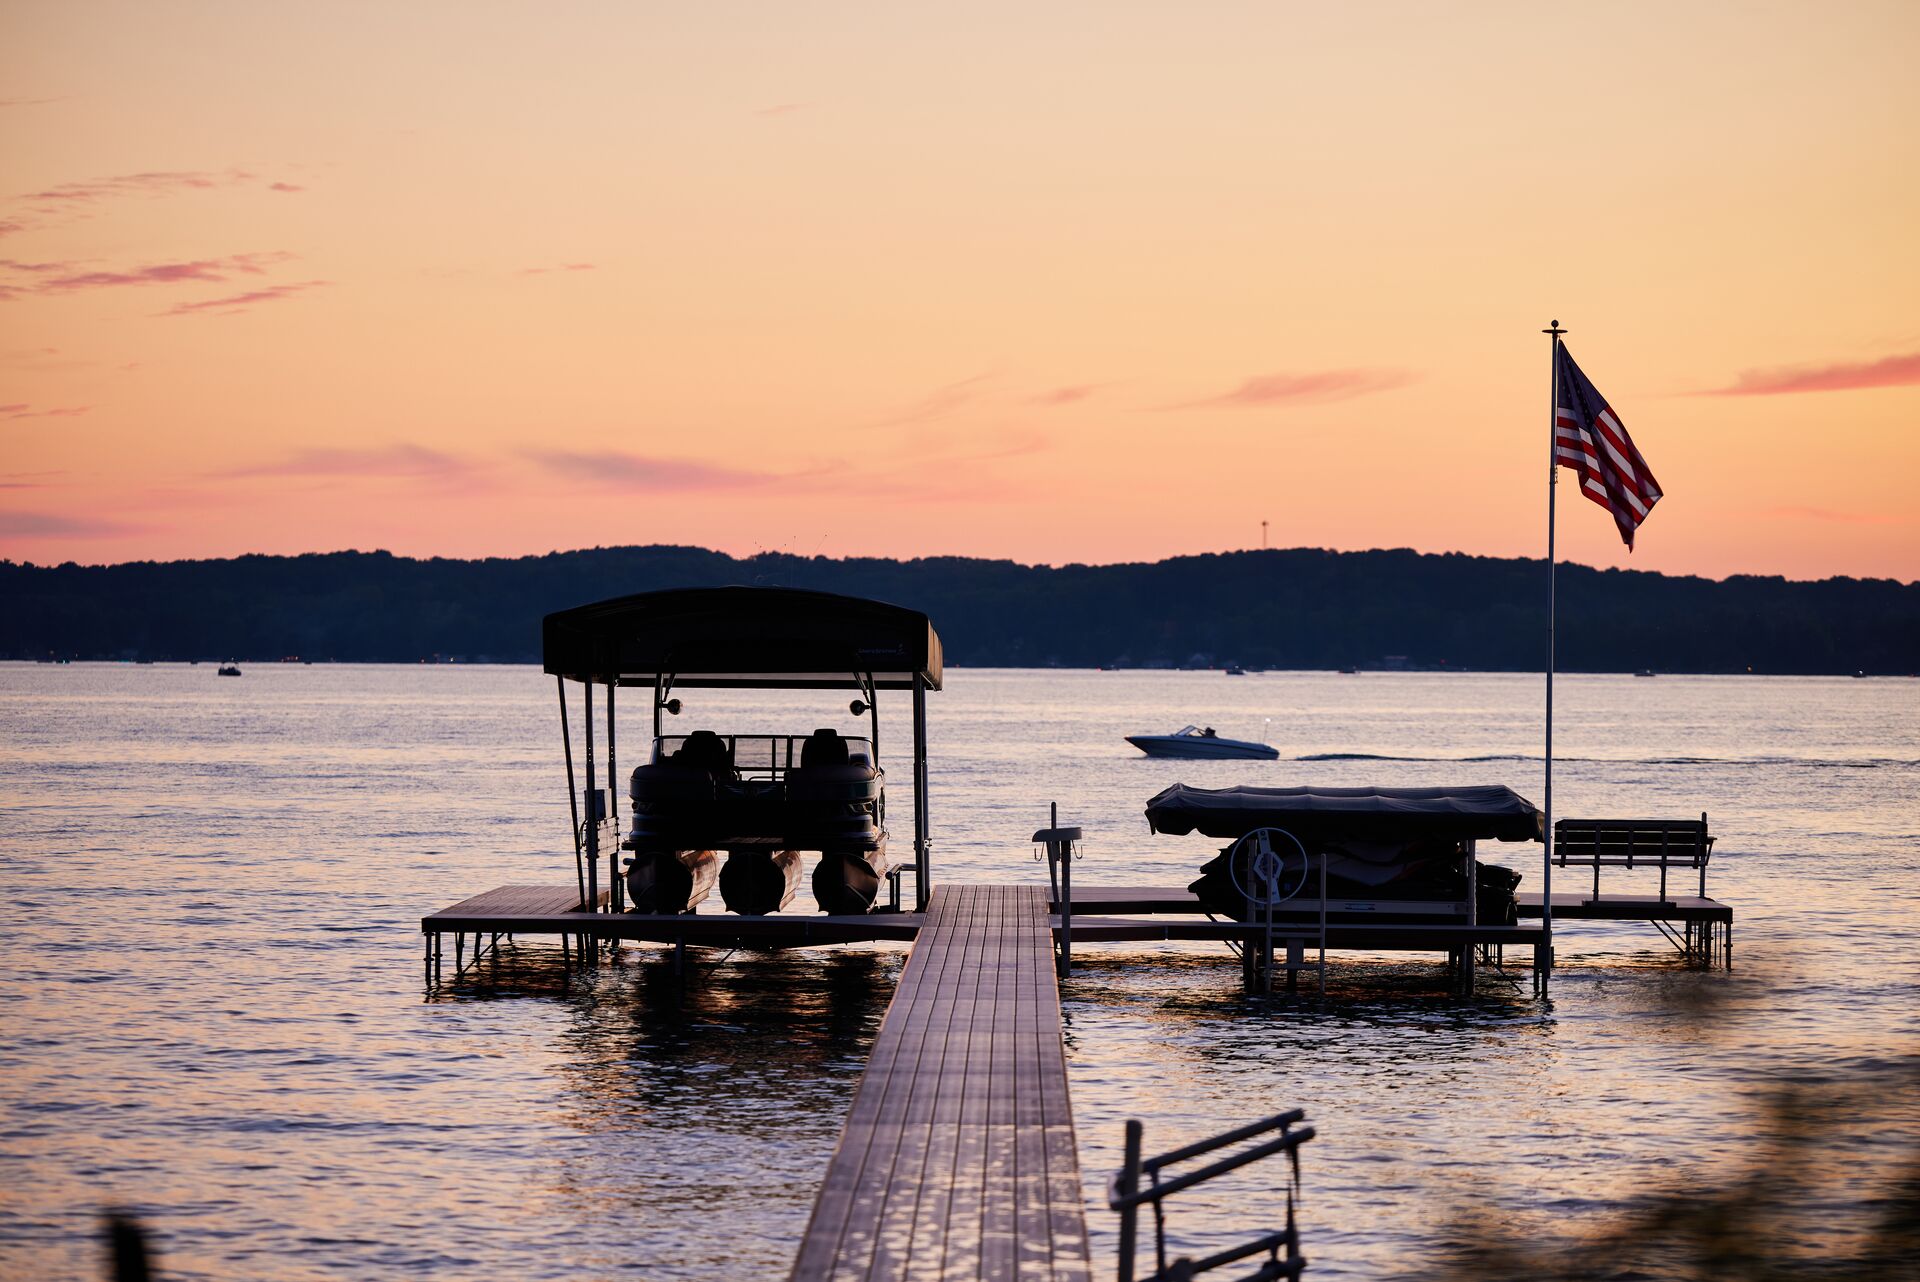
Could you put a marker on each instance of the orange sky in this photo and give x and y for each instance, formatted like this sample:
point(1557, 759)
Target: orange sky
point(1053, 282)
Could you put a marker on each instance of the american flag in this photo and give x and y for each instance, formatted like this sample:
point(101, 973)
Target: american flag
point(1589, 438)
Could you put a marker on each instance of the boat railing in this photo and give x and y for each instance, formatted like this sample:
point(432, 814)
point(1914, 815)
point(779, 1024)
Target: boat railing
point(1126, 1195)
point(764, 757)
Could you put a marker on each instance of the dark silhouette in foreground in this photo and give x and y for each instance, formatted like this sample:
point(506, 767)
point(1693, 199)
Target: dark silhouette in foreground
point(1830, 1189)
point(128, 1258)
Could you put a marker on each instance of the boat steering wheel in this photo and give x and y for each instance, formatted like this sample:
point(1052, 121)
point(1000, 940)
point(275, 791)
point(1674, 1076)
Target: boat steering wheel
point(1263, 867)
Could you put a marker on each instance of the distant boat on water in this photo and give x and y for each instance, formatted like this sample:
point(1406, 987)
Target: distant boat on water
point(1235, 670)
point(1195, 742)
point(1646, 672)
point(229, 669)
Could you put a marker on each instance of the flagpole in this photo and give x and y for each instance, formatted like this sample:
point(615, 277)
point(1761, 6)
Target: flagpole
point(1553, 483)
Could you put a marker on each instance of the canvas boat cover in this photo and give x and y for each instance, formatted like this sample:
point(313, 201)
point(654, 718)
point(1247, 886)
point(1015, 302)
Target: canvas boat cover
point(743, 636)
point(1318, 814)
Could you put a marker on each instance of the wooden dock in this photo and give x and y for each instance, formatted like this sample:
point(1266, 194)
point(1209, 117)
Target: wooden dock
point(958, 1157)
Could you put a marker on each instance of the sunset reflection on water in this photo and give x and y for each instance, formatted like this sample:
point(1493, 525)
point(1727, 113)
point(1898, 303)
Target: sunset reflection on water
point(212, 1012)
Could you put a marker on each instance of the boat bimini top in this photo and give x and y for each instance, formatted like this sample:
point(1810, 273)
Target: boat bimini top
point(755, 638)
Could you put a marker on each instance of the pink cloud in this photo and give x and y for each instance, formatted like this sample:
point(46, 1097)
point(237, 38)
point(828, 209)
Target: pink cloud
point(32, 525)
point(940, 402)
point(1302, 389)
point(1890, 371)
point(1066, 395)
point(402, 460)
point(234, 303)
point(67, 278)
point(563, 267)
point(149, 183)
point(27, 480)
point(1834, 516)
point(27, 411)
point(782, 109)
point(616, 470)
point(285, 187)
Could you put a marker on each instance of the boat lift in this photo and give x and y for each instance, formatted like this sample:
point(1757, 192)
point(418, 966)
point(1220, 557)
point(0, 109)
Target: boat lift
point(756, 638)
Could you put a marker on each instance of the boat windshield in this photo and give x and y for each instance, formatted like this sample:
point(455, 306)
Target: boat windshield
point(1184, 731)
point(756, 756)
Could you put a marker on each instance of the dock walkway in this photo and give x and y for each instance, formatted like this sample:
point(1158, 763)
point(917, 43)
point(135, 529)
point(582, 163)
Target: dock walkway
point(958, 1157)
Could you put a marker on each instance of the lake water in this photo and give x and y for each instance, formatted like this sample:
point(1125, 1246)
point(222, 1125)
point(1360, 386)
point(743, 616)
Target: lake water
point(211, 1007)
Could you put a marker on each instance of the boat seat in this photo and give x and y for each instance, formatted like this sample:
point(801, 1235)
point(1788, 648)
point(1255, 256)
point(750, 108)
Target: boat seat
point(828, 773)
point(704, 750)
point(823, 748)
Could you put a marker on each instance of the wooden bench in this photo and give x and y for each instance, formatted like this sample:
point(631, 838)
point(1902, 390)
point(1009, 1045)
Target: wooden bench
point(1634, 843)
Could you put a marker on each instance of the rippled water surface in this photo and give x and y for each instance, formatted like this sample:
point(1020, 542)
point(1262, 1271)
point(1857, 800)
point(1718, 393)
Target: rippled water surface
point(211, 1007)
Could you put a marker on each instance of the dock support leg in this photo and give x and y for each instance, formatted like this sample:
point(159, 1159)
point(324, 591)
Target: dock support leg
point(680, 955)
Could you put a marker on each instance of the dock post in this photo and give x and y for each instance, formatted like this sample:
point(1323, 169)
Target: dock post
point(1060, 843)
point(1066, 899)
point(1127, 1185)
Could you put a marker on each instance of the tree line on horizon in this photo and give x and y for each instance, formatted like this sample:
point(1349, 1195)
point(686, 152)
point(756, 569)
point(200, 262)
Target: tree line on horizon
point(1282, 608)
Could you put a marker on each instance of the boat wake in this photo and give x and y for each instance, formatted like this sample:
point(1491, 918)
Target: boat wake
point(1857, 763)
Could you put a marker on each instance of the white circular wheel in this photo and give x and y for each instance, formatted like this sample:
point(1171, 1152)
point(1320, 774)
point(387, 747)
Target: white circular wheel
point(1268, 866)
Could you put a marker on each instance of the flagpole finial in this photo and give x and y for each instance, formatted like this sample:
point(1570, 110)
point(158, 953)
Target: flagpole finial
point(1556, 331)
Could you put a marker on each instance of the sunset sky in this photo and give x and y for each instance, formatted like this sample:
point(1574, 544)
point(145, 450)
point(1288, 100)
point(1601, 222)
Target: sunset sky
point(1091, 282)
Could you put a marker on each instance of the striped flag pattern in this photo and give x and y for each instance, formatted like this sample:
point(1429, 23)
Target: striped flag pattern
point(1589, 438)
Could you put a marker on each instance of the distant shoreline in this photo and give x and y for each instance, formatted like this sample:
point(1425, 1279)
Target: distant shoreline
point(1284, 609)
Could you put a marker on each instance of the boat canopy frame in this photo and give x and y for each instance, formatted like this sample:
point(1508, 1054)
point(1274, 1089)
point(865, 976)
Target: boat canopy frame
point(755, 638)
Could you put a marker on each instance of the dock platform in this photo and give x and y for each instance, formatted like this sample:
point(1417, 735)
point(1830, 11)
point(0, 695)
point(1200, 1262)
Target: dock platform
point(958, 1158)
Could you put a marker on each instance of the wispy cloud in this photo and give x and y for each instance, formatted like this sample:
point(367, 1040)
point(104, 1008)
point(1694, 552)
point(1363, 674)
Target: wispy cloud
point(27, 480)
point(27, 102)
point(1066, 395)
point(940, 402)
point(563, 267)
point(616, 470)
point(30, 525)
point(72, 277)
point(782, 109)
point(152, 182)
point(401, 460)
point(1316, 387)
point(24, 410)
point(1844, 376)
point(1837, 517)
point(234, 303)
point(65, 202)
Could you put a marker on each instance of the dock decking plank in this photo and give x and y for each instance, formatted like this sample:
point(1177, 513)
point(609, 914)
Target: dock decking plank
point(957, 1160)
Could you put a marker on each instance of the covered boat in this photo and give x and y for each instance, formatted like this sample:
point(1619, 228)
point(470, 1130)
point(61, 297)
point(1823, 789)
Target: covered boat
point(1388, 852)
point(760, 800)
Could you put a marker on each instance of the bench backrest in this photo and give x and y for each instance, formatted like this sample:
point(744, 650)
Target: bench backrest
point(1670, 842)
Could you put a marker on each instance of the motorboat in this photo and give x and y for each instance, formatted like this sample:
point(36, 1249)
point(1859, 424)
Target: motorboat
point(1386, 854)
point(229, 670)
point(1200, 742)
